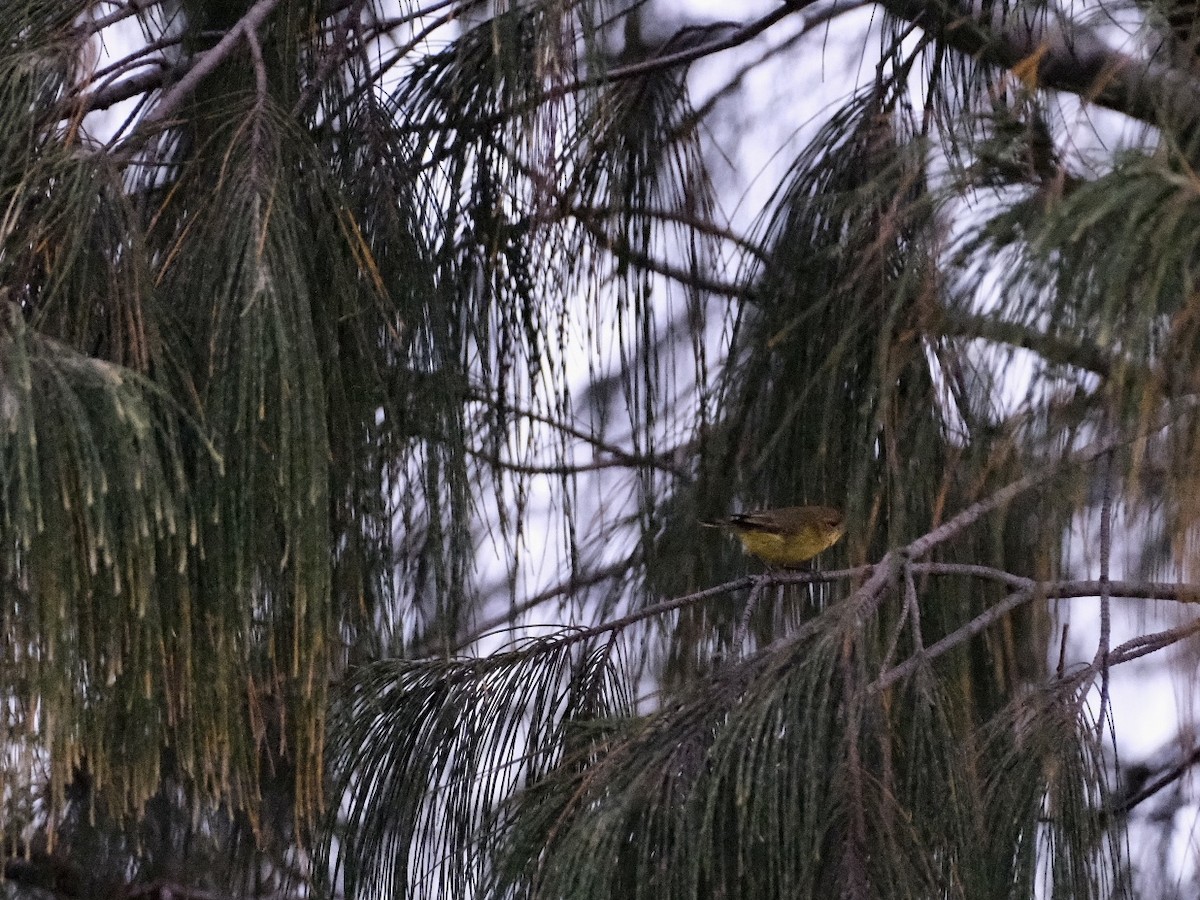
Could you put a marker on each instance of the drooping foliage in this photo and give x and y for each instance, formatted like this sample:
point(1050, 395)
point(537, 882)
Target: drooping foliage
point(343, 342)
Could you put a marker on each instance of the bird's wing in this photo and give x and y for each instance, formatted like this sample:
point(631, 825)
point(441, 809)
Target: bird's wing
point(760, 521)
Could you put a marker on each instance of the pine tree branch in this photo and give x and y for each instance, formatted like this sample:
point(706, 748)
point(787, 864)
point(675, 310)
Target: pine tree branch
point(573, 635)
point(88, 98)
point(334, 56)
point(1062, 56)
point(1167, 778)
point(620, 456)
point(1104, 649)
point(1144, 645)
point(664, 462)
point(206, 63)
point(1016, 582)
point(125, 89)
point(689, 277)
point(122, 12)
point(1132, 590)
point(1052, 348)
point(569, 586)
point(189, 75)
point(1048, 472)
point(691, 222)
point(736, 36)
point(141, 57)
point(879, 576)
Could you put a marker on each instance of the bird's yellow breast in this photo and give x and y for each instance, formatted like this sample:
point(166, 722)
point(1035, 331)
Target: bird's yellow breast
point(791, 549)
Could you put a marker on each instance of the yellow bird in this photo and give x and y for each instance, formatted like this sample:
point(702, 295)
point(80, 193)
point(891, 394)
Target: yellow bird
point(788, 536)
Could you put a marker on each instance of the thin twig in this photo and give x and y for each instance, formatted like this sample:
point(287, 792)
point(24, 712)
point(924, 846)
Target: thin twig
point(621, 250)
point(381, 27)
point(910, 612)
point(728, 587)
point(950, 641)
point(743, 627)
point(1168, 777)
point(914, 609)
point(1016, 582)
point(124, 11)
point(570, 586)
point(260, 100)
point(1180, 593)
point(135, 60)
point(1145, 644)
point(1048, 472)
point(121, 91)
point(571, 636)
point(1105, 586)
point(693, 223)
point(625, 461)
point(385, 66)
point(740, 35)
point(1080, 353)
point(1072, 59)
point(655, 609)
point(814, 14)
point(868, 593)
point(1062, 651)
point(1174, 591)
point(661, 460)
point(868, 596)
point(332, 57)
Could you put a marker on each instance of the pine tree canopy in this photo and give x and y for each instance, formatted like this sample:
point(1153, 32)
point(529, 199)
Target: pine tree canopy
point(368, 368)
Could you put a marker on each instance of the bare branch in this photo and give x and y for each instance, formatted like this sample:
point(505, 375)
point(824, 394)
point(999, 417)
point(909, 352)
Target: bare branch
point(1145, 644)
point(692, 222)
point(128, 63)
point(649, 612)
point(736, 37)
point(125, 89)
point(657, 609)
